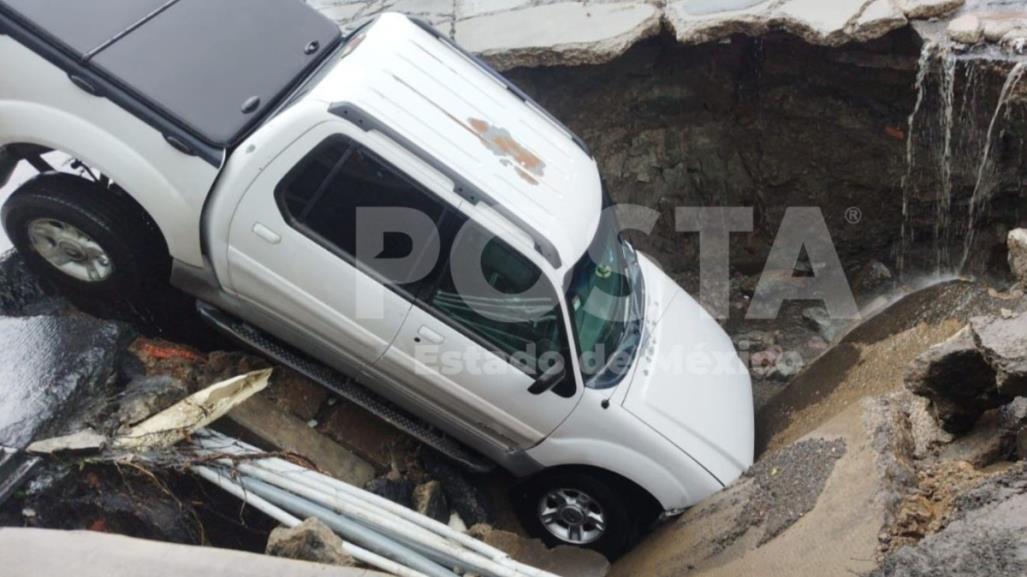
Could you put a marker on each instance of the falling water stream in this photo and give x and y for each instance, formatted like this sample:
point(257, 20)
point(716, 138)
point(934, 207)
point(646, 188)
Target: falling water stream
point(946, 137)
point(923, 67)
point(985, 184)
point(942, 230)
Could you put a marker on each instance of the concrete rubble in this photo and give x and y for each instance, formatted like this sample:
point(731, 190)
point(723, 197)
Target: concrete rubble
point(145, 396)
point(193, 413)
point(311, 540)
point(1003, 342)
point(982, 367)
point(515, 33)
point(957, 380)
point(1017, 244)
point(996, 26)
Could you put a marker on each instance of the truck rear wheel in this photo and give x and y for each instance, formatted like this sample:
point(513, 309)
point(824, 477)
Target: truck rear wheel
point(87, 240)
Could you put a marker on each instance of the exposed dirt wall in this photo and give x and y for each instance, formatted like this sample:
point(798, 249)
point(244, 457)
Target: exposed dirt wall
point(774, 123)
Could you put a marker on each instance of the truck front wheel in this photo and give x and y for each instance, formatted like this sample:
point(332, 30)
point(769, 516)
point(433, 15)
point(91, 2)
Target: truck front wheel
point(579, 508)
point(86, 239)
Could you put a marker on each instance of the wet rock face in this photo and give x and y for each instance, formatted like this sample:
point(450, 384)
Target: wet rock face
point(56, 370)
point(311, 540)
point(768, 124)
point(986, 536)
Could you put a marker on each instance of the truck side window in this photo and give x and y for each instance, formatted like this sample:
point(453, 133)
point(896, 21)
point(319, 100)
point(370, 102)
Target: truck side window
point(322, 195)
point(520, 327)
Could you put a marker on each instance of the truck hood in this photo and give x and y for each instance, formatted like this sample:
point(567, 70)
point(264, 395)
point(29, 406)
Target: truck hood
point(690, 386)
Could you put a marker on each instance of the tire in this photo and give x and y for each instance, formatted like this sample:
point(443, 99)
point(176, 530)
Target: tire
point(81, 222)
point(592, 491)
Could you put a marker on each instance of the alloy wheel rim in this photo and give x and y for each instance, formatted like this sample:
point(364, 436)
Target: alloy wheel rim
point(572, 516)
point(69, 250)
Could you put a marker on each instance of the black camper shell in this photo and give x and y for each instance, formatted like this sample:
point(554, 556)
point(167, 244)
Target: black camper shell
point(203, 72)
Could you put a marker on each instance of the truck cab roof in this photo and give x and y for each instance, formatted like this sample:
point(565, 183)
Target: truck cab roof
point(502, 151)
point(213, 70)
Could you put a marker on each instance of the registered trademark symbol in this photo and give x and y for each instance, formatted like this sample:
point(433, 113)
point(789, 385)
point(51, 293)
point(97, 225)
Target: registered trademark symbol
point(853, 215)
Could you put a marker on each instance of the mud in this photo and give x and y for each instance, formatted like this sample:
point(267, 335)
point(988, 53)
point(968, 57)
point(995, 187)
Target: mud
point(872, 358)
point(789, 483)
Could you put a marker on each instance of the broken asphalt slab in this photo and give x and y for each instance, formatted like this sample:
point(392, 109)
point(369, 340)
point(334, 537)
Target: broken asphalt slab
point(514, 33)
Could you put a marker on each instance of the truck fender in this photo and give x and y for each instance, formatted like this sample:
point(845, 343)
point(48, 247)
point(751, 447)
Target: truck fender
point(51, 111)
point(674, 490)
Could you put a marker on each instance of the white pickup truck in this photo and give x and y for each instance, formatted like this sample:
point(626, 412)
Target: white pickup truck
point(380, 207)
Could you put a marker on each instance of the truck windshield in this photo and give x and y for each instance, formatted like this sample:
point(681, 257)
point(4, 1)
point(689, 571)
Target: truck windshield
point(606, 296)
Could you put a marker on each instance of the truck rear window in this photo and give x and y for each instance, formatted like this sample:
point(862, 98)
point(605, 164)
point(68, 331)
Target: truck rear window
point(323, 195)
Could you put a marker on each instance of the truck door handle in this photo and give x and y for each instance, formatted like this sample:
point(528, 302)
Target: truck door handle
point(429, 335)
point(266, 233)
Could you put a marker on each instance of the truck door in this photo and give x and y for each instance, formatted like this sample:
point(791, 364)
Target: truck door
point(293, 245)
point(477, 350)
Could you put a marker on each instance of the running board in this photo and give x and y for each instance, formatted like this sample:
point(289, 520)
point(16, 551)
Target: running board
point(345, 387)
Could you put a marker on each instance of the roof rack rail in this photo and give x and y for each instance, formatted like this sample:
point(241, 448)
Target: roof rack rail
point(502, 80)
point(461, 185)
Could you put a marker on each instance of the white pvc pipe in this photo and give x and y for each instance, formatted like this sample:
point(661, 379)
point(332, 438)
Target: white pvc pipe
point(335, 494)
point(424, 541)
point(441, 529)
point(348, 528)
point(360, 513)
point(258, 502)
point(280, 515)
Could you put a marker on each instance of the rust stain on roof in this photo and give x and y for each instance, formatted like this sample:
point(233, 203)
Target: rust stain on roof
point(498, 140)
point(527, 177)
point(502, 144)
